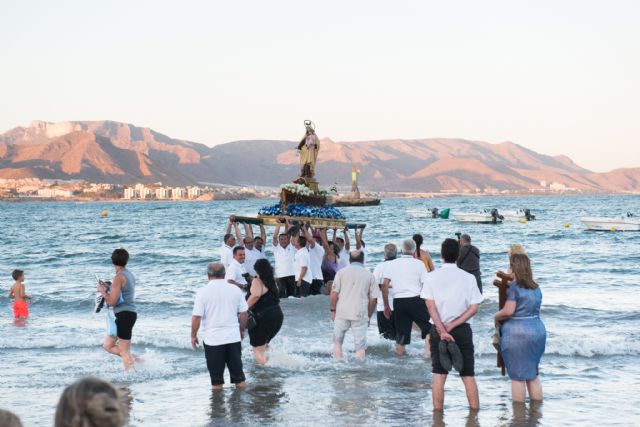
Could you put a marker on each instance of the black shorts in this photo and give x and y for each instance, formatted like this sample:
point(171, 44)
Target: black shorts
point(316, 286)
point(406, 311)
point(303, 290)
point(286, 286)
point(219, 356)
point(124, 323)
point(269, 322)
point(464, 339)
point(386, 327)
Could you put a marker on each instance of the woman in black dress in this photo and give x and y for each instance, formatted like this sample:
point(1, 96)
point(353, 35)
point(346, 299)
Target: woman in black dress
point(264, 302)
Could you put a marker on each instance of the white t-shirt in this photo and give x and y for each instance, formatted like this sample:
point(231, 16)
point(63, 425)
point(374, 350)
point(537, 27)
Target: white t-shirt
point(343, 259)
point(219, 304)
point(378, 274)
point(453, 291)
point(407, 276)
point(226, 255)
point(235, 271)
point(316, 253)
point(301, 259)
point(250, 258)
point(284, 260)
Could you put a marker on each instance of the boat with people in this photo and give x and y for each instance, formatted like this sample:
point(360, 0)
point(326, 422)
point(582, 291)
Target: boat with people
point(518, 215)
point(487, 216)
point(628, 222)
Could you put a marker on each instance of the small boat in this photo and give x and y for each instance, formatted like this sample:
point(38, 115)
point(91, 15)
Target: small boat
point(627, 222)
point(429, 213)
point(354, 201)
point(518, 215)
point(418, 213)
point(444, 213)
point(487, 216)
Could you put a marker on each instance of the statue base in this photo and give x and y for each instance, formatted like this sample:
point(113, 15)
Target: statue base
point(309, 182)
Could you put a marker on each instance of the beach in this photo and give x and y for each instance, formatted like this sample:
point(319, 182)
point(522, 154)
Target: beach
point(590, 281)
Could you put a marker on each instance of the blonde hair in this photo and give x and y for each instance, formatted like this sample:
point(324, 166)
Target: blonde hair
point(91, 402)
point(9, 419)
point(516, 248)
point(521, 268)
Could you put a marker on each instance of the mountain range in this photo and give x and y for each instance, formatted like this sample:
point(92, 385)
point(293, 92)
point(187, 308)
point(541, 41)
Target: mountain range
point(121, 153)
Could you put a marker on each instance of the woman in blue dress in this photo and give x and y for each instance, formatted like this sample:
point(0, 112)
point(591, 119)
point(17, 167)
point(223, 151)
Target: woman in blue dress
point(522, 333)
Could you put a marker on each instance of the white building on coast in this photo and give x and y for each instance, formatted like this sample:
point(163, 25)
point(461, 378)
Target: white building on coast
point(144, 192)
point(194, 192)
point(177, 193)
point(54, 192)
point(162, 193)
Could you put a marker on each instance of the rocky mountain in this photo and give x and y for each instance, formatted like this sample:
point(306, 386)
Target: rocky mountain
point(106, 151)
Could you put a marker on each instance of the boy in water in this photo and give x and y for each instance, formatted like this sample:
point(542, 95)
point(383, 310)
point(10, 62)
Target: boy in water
point(19, 296)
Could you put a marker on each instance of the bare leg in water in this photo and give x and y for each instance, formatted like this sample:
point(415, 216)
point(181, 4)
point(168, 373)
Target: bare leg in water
point(427, 348)
point(110, 344)
point(260, 354)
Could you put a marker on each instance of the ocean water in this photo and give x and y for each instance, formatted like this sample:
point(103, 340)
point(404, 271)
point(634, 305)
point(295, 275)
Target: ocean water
point(590, 283)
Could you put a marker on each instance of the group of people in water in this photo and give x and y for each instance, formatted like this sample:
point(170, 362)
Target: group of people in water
point(243, 293)
point(404, 289)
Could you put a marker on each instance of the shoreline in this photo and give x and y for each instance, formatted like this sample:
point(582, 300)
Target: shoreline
point(380, 195)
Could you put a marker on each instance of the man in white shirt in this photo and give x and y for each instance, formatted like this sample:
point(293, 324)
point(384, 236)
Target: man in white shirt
point(251, 255)
point(220, 313)
point(236, 274)
point(353, 301)
point(386, 327)
point(360, 243)
point(229, 242)
point(251, 250)
point(316, 254)
point(408, 276)
point(343, 255)
point(283, 253)
point(301, 266)
point(452, 297)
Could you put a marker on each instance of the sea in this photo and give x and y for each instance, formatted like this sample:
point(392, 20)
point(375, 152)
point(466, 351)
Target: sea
point(590, 282)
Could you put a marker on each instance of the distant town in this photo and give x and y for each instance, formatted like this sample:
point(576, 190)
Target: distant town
point(46, 189)
point(49, 189)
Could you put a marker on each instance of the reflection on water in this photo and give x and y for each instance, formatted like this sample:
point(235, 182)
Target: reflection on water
point(524, 416)
point(471, 419)
point(258, 403)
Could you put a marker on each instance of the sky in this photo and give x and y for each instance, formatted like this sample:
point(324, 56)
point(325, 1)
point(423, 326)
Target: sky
point(558, 77)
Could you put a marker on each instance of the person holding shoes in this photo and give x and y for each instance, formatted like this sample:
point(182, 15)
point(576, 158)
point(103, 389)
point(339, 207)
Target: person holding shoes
point(452, 297)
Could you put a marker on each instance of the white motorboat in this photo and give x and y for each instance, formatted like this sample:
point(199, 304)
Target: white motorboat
point(429, 213)
point(487, 216)
point(518, 215)
point(418, 213)
point(627, 222)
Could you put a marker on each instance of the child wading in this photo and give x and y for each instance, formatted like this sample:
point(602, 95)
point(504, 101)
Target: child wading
point(19, 296)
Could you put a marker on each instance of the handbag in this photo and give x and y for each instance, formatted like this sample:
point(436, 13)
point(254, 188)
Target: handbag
point(251, 320)
point(495, 340)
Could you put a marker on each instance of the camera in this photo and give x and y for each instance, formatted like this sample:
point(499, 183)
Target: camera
point(458, 234)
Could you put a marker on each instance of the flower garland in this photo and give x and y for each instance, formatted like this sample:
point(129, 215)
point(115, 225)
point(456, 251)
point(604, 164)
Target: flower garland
point(300, 189)
point(295, 209)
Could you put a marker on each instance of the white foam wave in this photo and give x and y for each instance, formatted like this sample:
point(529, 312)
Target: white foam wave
point(581, 346)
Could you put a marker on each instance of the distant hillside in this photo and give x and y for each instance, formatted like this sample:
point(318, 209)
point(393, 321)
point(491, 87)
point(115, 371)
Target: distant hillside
point(106, 151)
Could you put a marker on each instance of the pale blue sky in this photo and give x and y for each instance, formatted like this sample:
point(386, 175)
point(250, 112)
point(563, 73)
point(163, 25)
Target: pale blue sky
point(559, 77)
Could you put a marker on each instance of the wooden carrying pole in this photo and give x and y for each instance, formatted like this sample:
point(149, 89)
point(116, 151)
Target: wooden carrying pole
point(502, 282)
